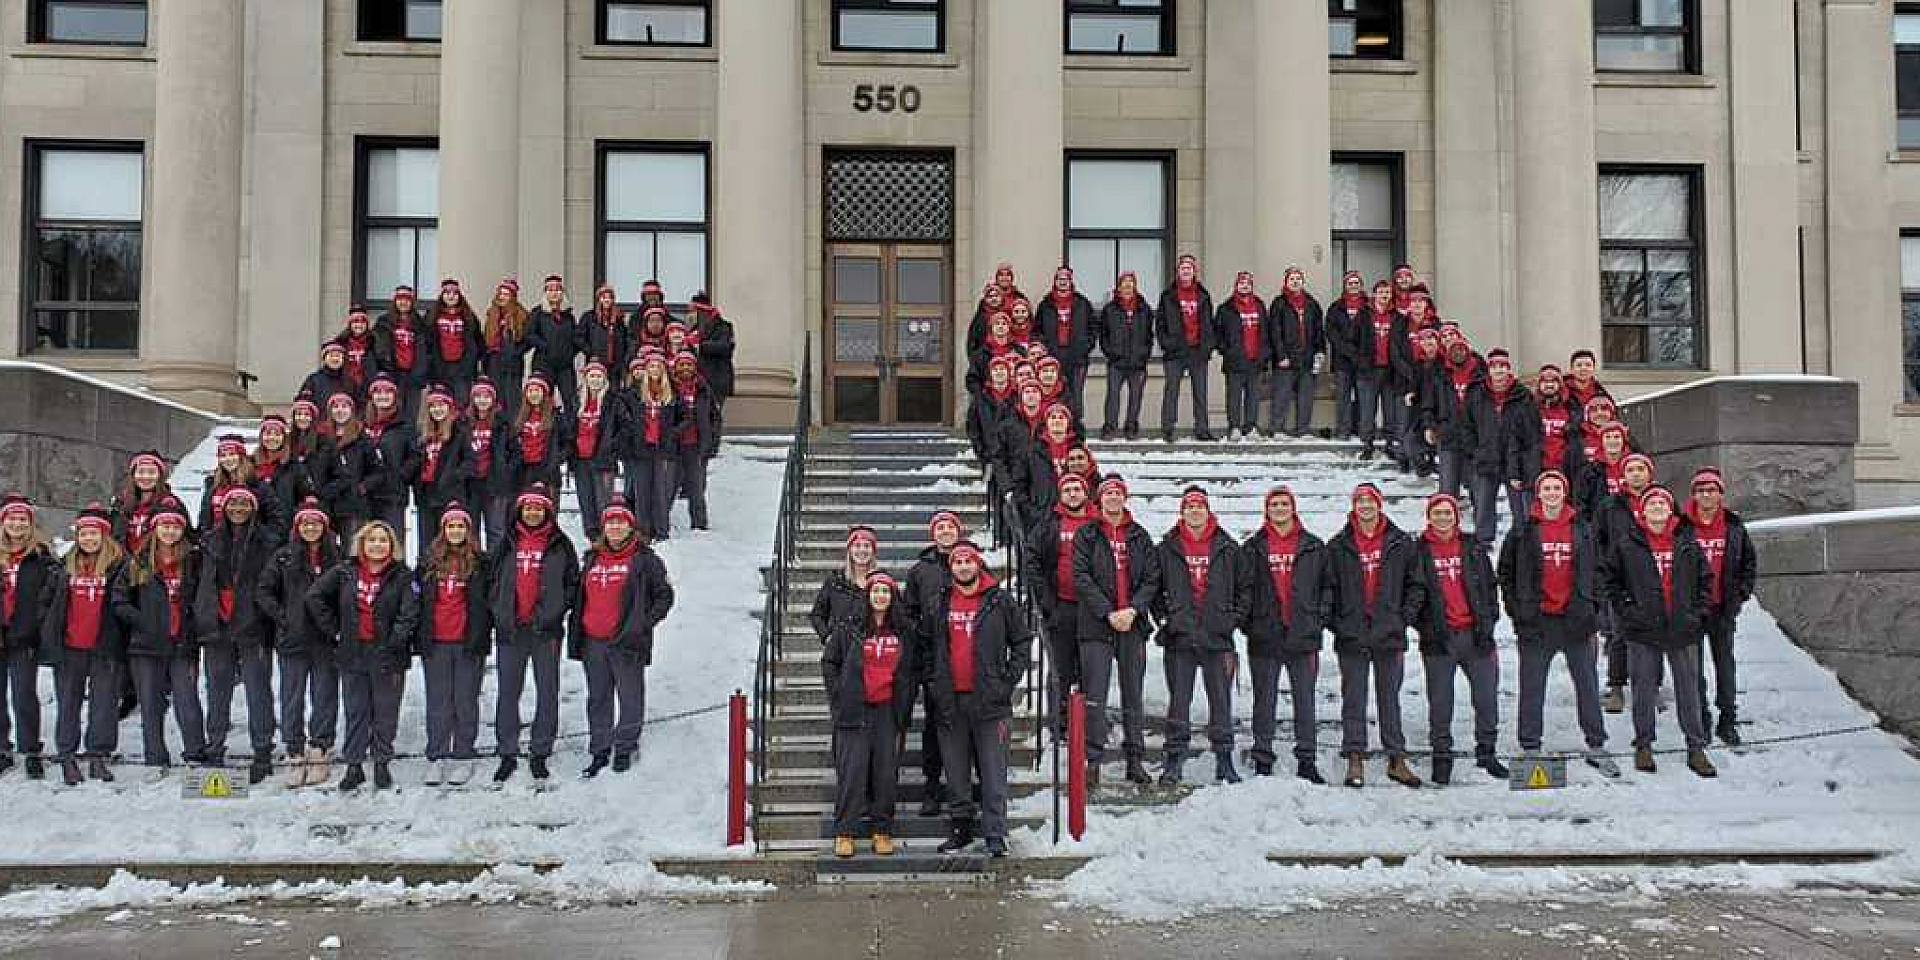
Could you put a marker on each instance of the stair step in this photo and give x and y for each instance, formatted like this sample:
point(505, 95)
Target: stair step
point(797, 723)
point(808, 822)
point(816, 786)
point(814, 752)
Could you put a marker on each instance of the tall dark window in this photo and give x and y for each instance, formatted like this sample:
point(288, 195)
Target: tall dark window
point(400, 20)
point(1368, 229)
point(1363, 29)
point(652, 213)
point(87, 21)
point(396, 235)
point(1910, 313)
point(81, 268)
point(909, 26)
point(665, 23)
point(1645, 36)
point(1118, 208)
point(1651, 308)
point(1135, 27)
point(1906, 72)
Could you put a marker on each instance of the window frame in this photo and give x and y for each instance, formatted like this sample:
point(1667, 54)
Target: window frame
point(1396, 235)
point(1696, 245)
point(1169, 34)
point(837, 7)
point(37, 21)
point(1909, 366)
point(32, 160)
point(602, 227)
point(600, 24)
point(1688, 31)
point(363, 149)
point(1396, 35)
point(1169, 209)
point(360, 25)
point(1913, 10)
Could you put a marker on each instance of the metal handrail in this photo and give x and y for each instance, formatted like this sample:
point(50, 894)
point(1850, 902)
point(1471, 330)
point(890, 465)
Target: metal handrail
point(786, 540)
point(1013, 535)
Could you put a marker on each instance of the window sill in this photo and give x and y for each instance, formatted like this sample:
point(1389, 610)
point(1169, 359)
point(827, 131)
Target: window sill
point(85, 51)
point(1371, 65)
point(391, 48)
point(1650, 377)
point(621, 51)
point(1667, 81)
point(1126, 62)
point(1906, 409)
point(1904, 155)
point(886, 58)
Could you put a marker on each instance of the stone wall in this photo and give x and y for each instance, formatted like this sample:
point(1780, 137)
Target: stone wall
point(65, 440)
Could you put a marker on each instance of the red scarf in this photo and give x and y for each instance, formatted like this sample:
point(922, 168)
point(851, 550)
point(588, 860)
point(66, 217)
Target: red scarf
point(1354, 302)
point(1712, 538)
point(366, 592)
point(1057, 452)
point(1063, 310)
point(1661, 546)
point(1382, 337)
point(1249, 310)
point(1282, 550)
point(963, 607)
point(1297, 299)
point(403, 340)
point(1554, 417)
point(529, 553)
point(1070, 524)
point(358, 345)
point(605, 585)
point(1556, 557)
point(533, 439)
point(1462, 378)
point(1116, 535)
point(586, 434)
point(1372, 550)
point(651, 413)
point(170, 579)
point(1189, 298)
point(1197, 550)
point(1449, 567)
point(449, 609)
point(480, 441)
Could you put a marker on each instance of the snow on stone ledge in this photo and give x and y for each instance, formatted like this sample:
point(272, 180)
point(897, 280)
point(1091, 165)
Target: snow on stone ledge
point(1846, 516)
point(1732, 378)
point(121, 388)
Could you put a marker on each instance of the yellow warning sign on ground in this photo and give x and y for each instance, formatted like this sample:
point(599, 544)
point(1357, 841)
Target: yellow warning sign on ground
point(213, 785)
point(1545, 773)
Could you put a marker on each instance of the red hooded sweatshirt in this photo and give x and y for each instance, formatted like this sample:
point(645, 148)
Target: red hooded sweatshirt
point(86, 605)
point(1248, 307)
point(880, 658)
point(449, 609)
point(1116, 535)
point(1712, 538)
point(963, 606)
point(1371, 549)
point(1554, 417)
point(366, 592)
point(1070, 524)
point(1197, 549)
point(1556, 557)
point(1282, 550)
point(529, 551)
point(605, 585)
point(1661, 545)
point(1449, 567)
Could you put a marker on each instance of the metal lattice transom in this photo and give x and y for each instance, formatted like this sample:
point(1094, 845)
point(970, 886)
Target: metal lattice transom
point(889, 196)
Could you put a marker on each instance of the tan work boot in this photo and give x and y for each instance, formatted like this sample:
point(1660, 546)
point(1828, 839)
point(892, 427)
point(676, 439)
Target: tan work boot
point(1615, 700)
point(882, 845)
point(1356, 771)
point(319, 768)
point(1643, 760)
point(1400, 773)
point(843, 847)
point(296, 775)
point(1697, 762)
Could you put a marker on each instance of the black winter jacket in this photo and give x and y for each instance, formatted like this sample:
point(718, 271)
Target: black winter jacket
point(386, 353)
point(1226, 331)
point(1520, 565)
point(559, 585)
point(450, 474)
point(1095, 580)
point(22, 630)
point(386, 476)
point(1633, 587)
point(632, 412)
point(143, 614)
point(512, 467)
point(281, 595)
point(332, 604)
point(984, 418)
point(1287, 340)
point(920, 597)
point(1366, 342)
point(232, 560)
point(556, 339)
point(1205, 624)
point(609, 431)
point(701, 412)
point(648, 598)
point(323, 383)
point(1080, 330)
point(499, 474)
point(1738, 567)
point(715, 352)
point(609, 343)
point(838, 600)
point(343, 472)
point(1342, 332)
point(1001, 652)
point(1400, 593)
point(1044, 547)
point(1267, 634)
point(112, 638)
point(843, 666)
point(1476, 572)
point(1170, 326)
point(1126, 337)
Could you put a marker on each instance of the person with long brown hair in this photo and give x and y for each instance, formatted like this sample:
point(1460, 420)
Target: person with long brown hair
point(342, 463)
point(536, 439)
point(154, 604)
point(436, 465)
point(26, 563)
point(399, 346)
point(652, 443)
point(506, 331)
point(142, 491)
point(309, 673)
point(624, 594)
point(604, 336)
point(455, 631)
point(594, 455)
point(488, 474)
point(370, 605)
point(866, 668)
point(555, 337)
point(280, 478)
point(699, 434)
point(83, 640)
point(385, 480)
point(232, 470)
point(458, 345)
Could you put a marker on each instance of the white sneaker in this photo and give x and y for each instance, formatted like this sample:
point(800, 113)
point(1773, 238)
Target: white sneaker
point(296, 775)
point(1604, 764)
point(319, 767)
point(461, 773)
point(436, 773)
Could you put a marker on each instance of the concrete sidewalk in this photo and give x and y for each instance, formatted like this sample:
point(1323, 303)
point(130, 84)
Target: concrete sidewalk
point(962, 925)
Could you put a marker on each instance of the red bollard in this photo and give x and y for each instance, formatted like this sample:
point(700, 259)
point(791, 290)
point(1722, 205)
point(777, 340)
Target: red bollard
point(1077, 765)
point(737, 769)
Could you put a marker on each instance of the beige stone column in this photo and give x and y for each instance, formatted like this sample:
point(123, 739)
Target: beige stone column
point(1469, 254)
point(1765, 320)
point(759, 183)
point(193, 234)
point(543, 147)
point(1230, 231)
point(479, 143)
point(1292, 139)
point(1556, 242)
point(286, 45)
point(1863, 243)
point(1018, 144)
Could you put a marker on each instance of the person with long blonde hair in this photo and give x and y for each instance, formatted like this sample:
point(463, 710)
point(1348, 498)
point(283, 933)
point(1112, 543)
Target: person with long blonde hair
point(594, 455)
point(155, 605)
point(436, 464)
point(369, 605)
point(26, 564)
point(84, 641)
point(652, 437)
point(455, 631)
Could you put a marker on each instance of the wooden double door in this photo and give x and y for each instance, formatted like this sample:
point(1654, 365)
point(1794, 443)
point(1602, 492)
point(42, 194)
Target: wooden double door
point(889, 333)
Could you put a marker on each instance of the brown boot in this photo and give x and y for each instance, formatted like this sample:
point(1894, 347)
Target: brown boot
point(1697, 762)
point(1400, 773)
point(882, 845)
point(1356, 771)
point(1643, 760)
point(843, 847)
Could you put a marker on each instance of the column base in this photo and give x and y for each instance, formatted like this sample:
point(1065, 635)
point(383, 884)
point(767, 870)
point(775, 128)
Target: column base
point(203, 386)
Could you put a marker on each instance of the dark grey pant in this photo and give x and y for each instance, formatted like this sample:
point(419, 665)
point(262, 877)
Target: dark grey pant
point(1346, 402)
point(1718, 643)
point(1644, 665)
point(1482, 668)
point(1537, 650)
point(1216, 675)
point(1377, 421)
point(1096, 679)
point(372, 706)
point(1413, 440)
point(1303, 672)
point(1617, 672)
point(489, 510)
point(1194, 371)
point(453, 700)
point(1135, 384)
point(1073, 388)
point(227, 665)
point(1244, 393)
point(1063, 651)
point(309, 679)
point(594, 488)
point(976, 751)
point(510, 662)
point(651, 485)
point(1292, 393)
point(614, 675)
point(931, 767)
point(1388, 670)
point(87, 683)
point(23, 682)
point(866, 769)
point(693, 485)
point(153, 678)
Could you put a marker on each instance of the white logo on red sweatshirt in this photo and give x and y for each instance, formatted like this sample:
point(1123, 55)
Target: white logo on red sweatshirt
point(527, 559)
point(1197, 566)
point(606, 573)
point(1663, 562)
point(1713, 548)
point(366, 591)
point(1553, 422)
point(1280, 562)
point(1369, 561)
point(1447, 568)
point(1556, 553)
point(87, 588)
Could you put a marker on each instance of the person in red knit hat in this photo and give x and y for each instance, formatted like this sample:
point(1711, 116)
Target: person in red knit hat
point(456, 628)
point(26, 563)
point(867, 668)
point(1205, 597)
point(1731, 564)
point(86, 643)
point(1377, 593)
point(1116, 578)
point(1456, 635)
point(535, 579)
point(623, 597)
point(370, 607)
point(309, 670)
point(1049, 576)
point(980, 652)
point(1658, 582)
point(1286, 569)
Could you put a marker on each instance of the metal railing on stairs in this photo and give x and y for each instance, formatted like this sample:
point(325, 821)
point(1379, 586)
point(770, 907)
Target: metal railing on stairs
point(1012, 536)
point(786, 540)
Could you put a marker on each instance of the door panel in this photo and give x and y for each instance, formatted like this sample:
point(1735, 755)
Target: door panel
point(889, 332)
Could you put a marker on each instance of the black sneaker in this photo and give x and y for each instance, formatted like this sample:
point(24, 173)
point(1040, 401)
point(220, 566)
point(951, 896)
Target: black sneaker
point(6, 762)
point(1310, 772)
point(959, 837)
point(1205, 436)
point(996, 847)
point(538, 767)
point(259, 770)
point(1728, 732)
point(593, 769)
point(355, 776)
point(97, 770)
point(1263, 768)
point(1223, 771)
point(70, 771)
point(622, 762)
point(930, 805)
point(1132, 432)
point(382, 776)
point(1170, 775)
point(1106, 433)
point(504, 771)
point(1137, 773)
point(1166, 436)
point(1494, 767)
point(36, 767)
point(1442, 772)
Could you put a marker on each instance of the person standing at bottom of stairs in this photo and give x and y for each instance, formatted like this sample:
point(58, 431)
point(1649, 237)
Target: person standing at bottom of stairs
point(1049, 574)
point(1456, 634)
point(866, 668)
point(980, 657)
point(1657, 580)
point(1286, 571)
point(536, 575)
point(1377, 592)
point(926, 585)
point(1205, 597)
point(1116, 576)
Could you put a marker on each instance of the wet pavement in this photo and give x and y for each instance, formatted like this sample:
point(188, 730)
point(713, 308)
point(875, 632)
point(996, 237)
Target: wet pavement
point(829, 925)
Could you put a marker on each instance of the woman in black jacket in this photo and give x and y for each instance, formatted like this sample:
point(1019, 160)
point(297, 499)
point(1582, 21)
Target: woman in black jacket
point(593, 456)
point(235, 641)
point(713, 341)
point(699, 437)
point(26, 564)
point(391, 435)
point(1657, 581)
point(1299, 353)
point(1456, 634)
point(82, 639)
point(142, 491)
point(506, 337)
point(488, 474)
point(555, 338)
point(436, 460)
point(866, 670)
point(844, 594)
point(1287, 591)
point(281, 478)
point(624, 594)
point(370, 606)
point(309, 669)
point(535, 576)
point(400, 344)
point(1246, 350)
point(536, 442)
point(344, 463)
point(332, 376)
point(650, 439)
point(457, 346)
point(154, 605)
point(456, 629)
point(1126, 339)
